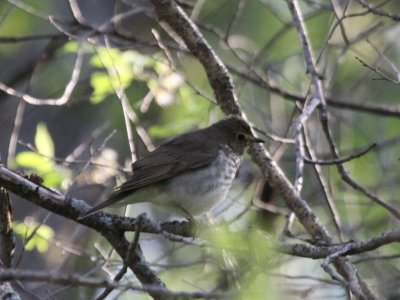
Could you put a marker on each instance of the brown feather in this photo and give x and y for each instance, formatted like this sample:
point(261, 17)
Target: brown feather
point(181, 154)
point(170, 159)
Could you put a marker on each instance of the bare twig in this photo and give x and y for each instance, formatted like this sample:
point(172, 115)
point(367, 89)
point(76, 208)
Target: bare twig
point(69, 88)
point(29, 237)
point(378, 11)
point(127, 261)
point(371, 108)
point(327, 195)
point(381, 74)
point(220, 81)
point(354, 283)
point(343, 249)
point(77, 279)
point(341, 160)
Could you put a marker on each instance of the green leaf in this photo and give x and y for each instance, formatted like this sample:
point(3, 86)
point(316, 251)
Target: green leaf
point(170, 129)
point(40, 241)
point(101, 87)
point(54, 178)
point(53, 175)
point(71, 47)
point(35, 161)
point(118, 69)
point(43, 141)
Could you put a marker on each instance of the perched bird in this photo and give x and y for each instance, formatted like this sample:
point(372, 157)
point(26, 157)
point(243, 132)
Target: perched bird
point(188, 174)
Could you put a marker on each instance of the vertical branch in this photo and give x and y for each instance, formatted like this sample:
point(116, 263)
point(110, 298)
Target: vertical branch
point(325, 188)
point(298, 133)
point(355, 282)
point(6, 244)
point(127, 260)
point(6, 233)
point(12, 147)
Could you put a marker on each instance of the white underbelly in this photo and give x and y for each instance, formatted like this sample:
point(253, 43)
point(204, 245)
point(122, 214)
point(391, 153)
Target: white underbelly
point(200, 190)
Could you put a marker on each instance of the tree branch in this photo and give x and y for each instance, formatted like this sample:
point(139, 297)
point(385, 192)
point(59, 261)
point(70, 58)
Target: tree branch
point(349, 248)
point(101, 222)
point(77, 279)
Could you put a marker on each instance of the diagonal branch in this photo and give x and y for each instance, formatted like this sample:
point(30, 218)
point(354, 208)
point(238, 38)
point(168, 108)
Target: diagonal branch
point(169, 12)
point(103, 223)
point(349, 248)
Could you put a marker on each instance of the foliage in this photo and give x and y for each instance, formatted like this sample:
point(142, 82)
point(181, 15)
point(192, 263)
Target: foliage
point(42, 161)
point(356, 50)
point(34, 235)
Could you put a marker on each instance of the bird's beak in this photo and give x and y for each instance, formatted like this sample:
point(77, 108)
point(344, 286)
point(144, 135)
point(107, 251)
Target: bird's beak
point(257, 140)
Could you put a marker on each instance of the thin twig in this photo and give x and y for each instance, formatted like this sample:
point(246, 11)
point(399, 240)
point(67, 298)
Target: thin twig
point(353, 282)
point(377, 11)
point(341, 160)
point(79, 280)
point(127, 261)
point(327, 196)
point(63, 99)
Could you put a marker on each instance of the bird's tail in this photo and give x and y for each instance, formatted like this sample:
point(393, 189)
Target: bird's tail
point(111, 201)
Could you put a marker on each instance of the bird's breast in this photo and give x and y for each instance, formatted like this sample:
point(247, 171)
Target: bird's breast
point(199, 190)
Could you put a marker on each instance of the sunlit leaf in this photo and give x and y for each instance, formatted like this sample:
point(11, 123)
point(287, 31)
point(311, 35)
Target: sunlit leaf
point(116, 73)
point(53, 178)
point(35, 161)
point(39, 240)
point(118, 69)
point(170, 129)
point(71, 47)
point(249, 252)
point(101, 87)
point(31, 244)
point(43, 141)
point(53, 175)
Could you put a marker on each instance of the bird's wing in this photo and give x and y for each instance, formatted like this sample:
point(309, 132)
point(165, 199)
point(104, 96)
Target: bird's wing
point(170, 159)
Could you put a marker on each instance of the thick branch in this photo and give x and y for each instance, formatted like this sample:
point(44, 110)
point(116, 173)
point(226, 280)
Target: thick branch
point(351, 248)
point(72, 209)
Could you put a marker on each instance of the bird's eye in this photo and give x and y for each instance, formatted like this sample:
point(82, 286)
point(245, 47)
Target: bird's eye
point(240, 136)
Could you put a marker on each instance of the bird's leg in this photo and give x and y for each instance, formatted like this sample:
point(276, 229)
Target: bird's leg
point(189, 217)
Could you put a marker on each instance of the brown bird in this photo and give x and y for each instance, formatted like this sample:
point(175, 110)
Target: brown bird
point(188, 174)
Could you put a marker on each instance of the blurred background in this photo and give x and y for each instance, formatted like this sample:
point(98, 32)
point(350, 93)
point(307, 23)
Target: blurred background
point(114, 57)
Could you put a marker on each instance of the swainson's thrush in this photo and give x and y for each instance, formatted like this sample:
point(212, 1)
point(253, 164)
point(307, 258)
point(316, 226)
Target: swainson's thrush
point(190, 173)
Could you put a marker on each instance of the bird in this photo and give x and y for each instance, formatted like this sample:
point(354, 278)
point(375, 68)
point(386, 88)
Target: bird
point(188, 174)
